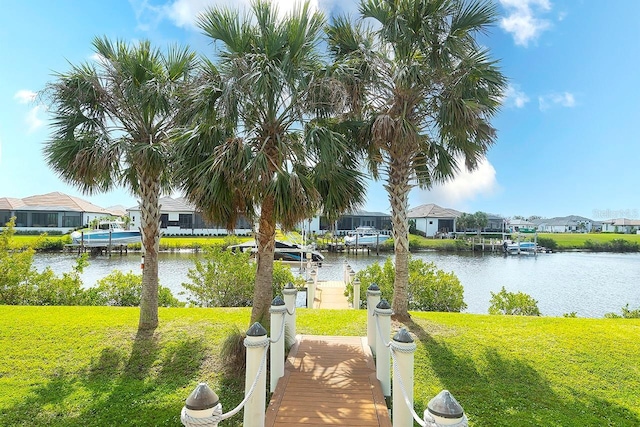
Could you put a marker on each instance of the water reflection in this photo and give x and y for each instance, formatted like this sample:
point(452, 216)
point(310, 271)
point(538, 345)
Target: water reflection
point(591, 284)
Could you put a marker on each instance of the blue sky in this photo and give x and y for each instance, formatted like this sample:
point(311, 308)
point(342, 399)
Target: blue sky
point(567, 134)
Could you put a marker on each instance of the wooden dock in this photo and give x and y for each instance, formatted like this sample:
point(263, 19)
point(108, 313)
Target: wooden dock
point(330, 294)
point(328, 381)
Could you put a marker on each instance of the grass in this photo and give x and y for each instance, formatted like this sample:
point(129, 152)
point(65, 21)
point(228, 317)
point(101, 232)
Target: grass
point(88, 366)
point(577, 240)
point(565, 241)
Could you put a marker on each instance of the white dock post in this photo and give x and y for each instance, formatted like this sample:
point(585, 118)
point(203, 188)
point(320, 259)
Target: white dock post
point(403, 348)
point(278, 312)
point(383, 366)
point(311, 293)
point(445, 410)
point(373, 298)
point(255, 408)
point(356, 294)
point(289, 293)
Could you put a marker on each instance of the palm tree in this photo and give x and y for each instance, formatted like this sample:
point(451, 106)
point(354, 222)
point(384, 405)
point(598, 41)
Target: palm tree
point(481, 220)
point(426, 91)
point(111, 125)
point(262, 146)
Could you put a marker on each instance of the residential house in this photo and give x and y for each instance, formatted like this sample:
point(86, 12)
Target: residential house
point(621, 225)
point(495, 224)
point(51, 212)
point(178, 217)
point(565, 224)
point(432, 220)
point(379, 220)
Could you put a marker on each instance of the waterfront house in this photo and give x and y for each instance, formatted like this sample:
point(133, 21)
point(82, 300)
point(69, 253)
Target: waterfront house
point(350, 221)
point(621, 225)
point(51, 212)
point(432, 220)
point(565, 224)
point(178, 217)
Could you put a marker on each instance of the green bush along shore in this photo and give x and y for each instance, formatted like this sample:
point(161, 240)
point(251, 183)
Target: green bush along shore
point(88, 366)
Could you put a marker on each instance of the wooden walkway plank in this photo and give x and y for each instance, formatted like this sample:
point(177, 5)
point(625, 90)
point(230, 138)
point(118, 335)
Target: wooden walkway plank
point(328, 381)
point(330, 294)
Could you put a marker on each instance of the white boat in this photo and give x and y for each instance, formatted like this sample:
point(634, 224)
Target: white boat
point(364, 236)
point(520, 247)
point(284, 251)
point(108, 232)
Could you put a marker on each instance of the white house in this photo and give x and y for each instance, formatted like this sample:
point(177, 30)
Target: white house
point(49, 212)
point(350, 221)
point(178, 217)
point(621, 225)
point(432, 219)
point(565, 224)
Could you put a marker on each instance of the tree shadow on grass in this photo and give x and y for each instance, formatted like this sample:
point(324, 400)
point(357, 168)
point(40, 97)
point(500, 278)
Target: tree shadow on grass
point(116, 389)
point(499, 391)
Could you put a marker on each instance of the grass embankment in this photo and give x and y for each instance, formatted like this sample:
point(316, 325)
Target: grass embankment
point(568, 241)
point(565, 241)
point(79, 366)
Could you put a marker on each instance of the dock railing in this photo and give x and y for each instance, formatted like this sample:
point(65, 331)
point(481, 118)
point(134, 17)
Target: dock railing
point(203, 407)
point(398, 352)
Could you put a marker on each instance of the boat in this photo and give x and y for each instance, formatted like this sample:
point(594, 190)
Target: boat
point(520, 247)
point(107, 233)
point(364, 236)
point(284, 251)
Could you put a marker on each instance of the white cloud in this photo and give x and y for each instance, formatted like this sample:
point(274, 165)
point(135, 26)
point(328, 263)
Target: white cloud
point(464, 187)
point(521, 20)
point(25, 96)
point(32, 120)
point(514, 97)
point(184, 13)
point(564, 99)
point(96, 57)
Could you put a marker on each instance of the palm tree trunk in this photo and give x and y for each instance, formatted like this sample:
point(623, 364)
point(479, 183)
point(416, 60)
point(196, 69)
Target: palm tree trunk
point(150, 224)
point(263, 291)
point(398, 188)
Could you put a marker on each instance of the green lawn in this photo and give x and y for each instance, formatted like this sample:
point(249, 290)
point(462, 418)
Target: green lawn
point(576, 240)
point(87, 366)
point(566, 241)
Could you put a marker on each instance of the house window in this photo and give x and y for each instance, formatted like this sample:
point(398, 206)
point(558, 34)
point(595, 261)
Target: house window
point(44, 219)
point(21, 219)
point(5, 216)
point(71, 219)
point(164, 220)
point(185, 221)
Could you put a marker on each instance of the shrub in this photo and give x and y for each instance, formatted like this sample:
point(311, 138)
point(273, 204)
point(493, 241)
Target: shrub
point(221, 279)
point(124, 290)
point(430, 289)
point(381, 275)
point(282, 275)
point(16, 269)
point(225, 279)
point(615, 245)
point(548, 243)
point(512, 303)
point(626, 314)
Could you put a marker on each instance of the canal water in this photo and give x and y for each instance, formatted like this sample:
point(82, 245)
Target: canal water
point(590, 284)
